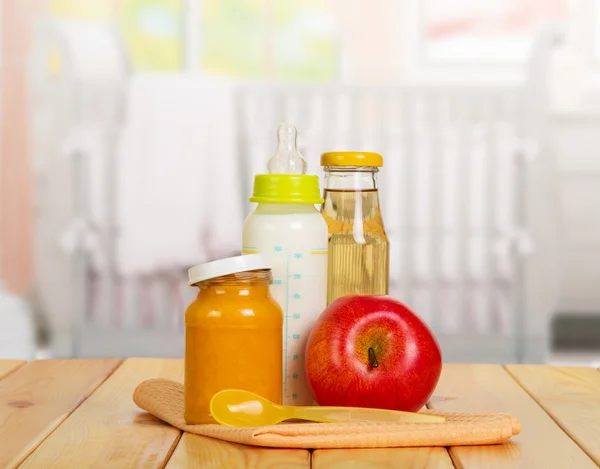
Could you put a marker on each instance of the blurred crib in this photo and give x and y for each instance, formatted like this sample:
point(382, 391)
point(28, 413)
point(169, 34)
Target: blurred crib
point(464, 174)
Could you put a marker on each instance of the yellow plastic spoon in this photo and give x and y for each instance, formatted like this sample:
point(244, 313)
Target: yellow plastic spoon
point(238, 408)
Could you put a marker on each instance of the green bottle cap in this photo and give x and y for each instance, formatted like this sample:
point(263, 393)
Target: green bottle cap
point(286, 189)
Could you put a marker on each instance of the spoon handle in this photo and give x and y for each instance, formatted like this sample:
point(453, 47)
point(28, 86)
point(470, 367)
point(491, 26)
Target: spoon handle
point(359, 414)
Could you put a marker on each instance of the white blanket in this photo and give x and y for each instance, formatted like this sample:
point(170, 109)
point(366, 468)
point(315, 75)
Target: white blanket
point(177, 190)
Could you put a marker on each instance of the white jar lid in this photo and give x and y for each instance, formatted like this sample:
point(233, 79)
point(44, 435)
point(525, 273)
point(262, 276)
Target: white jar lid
point(230, 265)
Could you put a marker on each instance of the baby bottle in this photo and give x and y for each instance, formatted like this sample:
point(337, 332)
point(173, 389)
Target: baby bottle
point(291, 234)
point(358, 245)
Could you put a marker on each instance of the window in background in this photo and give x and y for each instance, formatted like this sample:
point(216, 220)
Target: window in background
point(233, 37)
point(151, 29)
point(239, 38)
point(89, 10)
point(304, 42)
point(272, 39)
point(485, 31)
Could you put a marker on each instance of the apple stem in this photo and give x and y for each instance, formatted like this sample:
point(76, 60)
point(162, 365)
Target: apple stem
point(372, 358)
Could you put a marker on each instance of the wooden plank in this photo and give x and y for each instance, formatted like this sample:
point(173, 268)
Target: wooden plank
point(489, 388)
point(39, 396)
point(8, 366)
point(571, 395)
point(199, 452)
point(382, 458)
point(109, 430)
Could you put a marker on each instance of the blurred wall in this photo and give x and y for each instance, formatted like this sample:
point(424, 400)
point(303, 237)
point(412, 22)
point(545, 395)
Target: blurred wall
point(16, 252)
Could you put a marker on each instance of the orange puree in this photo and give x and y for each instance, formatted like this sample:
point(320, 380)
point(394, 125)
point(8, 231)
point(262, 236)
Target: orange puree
point(233, 340)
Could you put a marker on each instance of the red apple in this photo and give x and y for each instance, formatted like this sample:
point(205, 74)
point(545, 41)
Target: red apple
point(372, 351)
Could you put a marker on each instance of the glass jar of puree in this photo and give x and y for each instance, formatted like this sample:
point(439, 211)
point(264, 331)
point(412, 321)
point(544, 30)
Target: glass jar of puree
point(233, 334)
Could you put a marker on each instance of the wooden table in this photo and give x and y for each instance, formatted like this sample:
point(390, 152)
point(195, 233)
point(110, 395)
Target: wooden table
point(79, 413)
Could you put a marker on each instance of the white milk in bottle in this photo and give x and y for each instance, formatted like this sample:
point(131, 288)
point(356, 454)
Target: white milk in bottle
point(289, 231)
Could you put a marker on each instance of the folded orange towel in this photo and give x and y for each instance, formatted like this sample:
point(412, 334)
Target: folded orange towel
point(164, 399)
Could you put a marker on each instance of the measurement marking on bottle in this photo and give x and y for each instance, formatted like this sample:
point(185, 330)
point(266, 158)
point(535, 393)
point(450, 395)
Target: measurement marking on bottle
point(287, 295)
point(286, 285)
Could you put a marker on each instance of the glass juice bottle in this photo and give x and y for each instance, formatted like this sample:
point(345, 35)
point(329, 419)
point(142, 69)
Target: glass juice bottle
point(358, 245)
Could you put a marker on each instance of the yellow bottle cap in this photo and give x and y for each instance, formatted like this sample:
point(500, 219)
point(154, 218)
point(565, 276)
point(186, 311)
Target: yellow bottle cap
point(286, 189)
point(351, 158)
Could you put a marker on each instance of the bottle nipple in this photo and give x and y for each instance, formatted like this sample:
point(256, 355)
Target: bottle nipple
point(287, 158)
